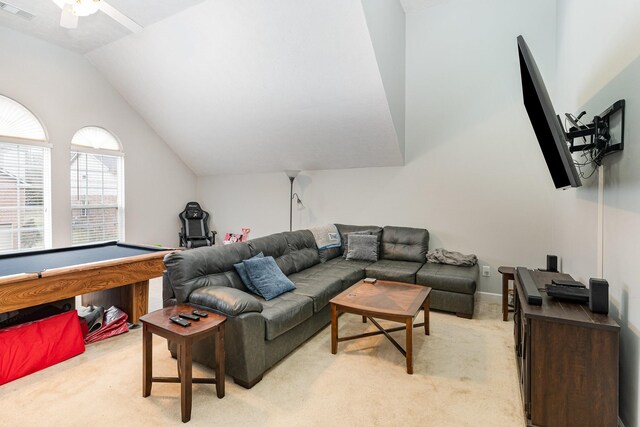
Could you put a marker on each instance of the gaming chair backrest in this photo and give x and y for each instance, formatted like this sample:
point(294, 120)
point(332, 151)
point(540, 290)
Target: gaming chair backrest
point(194, 221)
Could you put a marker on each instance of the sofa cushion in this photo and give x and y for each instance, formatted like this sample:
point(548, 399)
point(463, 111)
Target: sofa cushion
point(207, 266)
point(228, 301)
point(285, 312)
point(302, 249)
point(404, 244)
point(330, 253)
point(399, 271)
point(348, 271)
point(362, 248)
point(274, 245)
point(293, 251)
point(244, 276)
point(267, 277)
point(451, 278)
point(319, 287)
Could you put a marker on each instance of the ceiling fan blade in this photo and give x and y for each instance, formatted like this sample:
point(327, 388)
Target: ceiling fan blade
point(119, 17)
point(68, 19)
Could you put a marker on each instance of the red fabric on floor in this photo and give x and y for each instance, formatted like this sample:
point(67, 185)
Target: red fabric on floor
point(115, 323)
point(33, 346)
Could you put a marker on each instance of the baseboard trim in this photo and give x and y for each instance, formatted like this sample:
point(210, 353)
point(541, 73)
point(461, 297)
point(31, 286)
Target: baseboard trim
point(488, 297)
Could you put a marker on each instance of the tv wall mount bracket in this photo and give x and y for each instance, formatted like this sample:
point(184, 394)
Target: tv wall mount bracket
point(597, 130)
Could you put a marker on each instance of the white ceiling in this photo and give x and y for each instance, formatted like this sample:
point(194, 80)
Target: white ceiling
point(93, 31)
point(255, 86)
point(244, 85)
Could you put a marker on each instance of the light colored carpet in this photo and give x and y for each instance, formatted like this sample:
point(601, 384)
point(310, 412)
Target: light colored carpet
point(464, 375)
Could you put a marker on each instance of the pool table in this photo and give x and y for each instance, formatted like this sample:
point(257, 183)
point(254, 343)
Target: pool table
point(105, 274)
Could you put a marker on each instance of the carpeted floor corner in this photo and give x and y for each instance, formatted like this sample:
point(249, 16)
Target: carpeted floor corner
point(464, 375)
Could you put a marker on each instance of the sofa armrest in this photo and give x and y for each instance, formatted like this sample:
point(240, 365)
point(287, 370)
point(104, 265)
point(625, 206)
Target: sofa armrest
point(225, 300)
point(168, 297)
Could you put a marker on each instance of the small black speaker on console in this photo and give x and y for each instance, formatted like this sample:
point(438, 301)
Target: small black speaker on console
point(599, 296)
point(552, 263)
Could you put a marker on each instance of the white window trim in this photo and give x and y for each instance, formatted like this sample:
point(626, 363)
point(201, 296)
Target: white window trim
point(48, 237)
point(47, 224)
point(89, 150)
point(25, 141)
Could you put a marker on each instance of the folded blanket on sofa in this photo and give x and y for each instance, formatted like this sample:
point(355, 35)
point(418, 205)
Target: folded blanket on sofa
point(326, 236)
point(443, 256)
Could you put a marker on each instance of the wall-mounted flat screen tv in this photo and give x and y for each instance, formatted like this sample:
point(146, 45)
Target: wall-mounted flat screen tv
point(546, 124)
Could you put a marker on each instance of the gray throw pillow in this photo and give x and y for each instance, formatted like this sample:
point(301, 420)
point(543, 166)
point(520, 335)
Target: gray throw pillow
point(362, 247)
point(357, 233)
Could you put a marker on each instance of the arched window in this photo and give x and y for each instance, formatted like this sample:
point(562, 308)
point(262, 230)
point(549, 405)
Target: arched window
point(97, 187)
point(25, 191)
point(18, 122)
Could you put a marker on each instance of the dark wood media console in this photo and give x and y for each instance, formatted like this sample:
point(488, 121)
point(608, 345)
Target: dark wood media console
point(567, 360)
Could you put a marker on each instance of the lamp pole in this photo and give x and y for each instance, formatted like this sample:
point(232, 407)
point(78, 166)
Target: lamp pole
point(291, 178)
point(292, 175)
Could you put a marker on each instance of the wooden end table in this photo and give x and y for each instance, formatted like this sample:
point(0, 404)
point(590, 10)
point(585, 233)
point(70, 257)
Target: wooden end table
point(158, 323)
point(507, 274)
point(395, 301)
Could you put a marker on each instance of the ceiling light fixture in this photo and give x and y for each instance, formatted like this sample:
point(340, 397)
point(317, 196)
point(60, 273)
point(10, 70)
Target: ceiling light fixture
point(83, 7)
point(72, 9)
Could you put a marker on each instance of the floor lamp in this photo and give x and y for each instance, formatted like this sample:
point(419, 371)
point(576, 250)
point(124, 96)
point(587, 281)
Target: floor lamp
point(292, 174)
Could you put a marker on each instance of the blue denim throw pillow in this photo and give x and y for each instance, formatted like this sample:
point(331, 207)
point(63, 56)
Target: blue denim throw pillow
point(267, 277)
point(244, 276)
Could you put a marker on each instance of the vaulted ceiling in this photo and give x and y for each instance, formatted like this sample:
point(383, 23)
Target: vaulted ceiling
point(254, 86)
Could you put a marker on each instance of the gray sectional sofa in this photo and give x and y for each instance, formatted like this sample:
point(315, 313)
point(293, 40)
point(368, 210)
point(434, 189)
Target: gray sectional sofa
point(259, 333)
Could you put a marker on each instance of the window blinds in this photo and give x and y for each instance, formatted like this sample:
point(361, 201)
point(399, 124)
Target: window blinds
point(96, 197)
point(16, 121)
point(24, 198)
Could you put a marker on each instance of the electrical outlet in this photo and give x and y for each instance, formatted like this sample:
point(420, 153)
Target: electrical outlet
point(486, 271)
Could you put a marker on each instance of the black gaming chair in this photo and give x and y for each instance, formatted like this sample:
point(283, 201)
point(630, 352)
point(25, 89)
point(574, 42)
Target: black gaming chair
point(195, 227)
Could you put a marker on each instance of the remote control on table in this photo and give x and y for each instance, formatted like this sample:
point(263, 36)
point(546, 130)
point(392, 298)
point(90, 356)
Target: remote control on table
point(189, 316)
point(179, 321)
point(200, 313)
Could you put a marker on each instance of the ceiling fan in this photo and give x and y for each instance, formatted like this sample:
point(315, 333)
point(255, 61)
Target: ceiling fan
point(72, 9)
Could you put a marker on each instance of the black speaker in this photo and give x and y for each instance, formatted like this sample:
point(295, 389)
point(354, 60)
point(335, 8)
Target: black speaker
point(552, 263)
point(599, 296)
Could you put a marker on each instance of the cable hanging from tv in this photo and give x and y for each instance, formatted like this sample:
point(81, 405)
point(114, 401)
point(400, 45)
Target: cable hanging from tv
point(600, 143)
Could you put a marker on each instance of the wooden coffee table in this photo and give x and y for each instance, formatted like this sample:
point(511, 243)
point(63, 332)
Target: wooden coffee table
point(158, 323)
point(395, 301)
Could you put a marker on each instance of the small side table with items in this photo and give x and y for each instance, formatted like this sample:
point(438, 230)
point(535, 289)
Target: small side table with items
point(159, 323)
point(507, 275)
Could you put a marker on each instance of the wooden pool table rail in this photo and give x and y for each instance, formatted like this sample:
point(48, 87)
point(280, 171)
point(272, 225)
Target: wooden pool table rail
point(123, 282)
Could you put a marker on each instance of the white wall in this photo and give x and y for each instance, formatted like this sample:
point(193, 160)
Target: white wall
point(474, 175)
point(67, 93)
point(599, 63)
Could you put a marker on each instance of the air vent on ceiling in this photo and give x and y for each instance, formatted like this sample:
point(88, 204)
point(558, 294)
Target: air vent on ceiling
point(9, 8)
